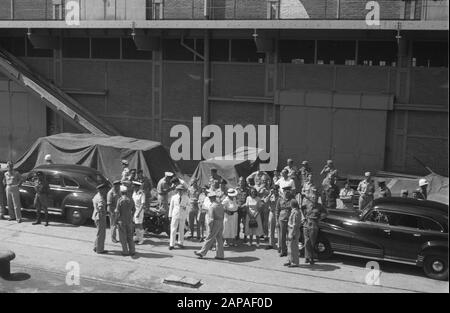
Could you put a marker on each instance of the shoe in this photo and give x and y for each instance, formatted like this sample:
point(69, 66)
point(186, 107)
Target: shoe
point(292, 265)
point(125, 254)
point(226, 245)
point(19, 220)
point(283, 254)
point(36, 223)
point(95, 249)
point(181, 246)
point(306, 260)
point(114, 240)
point(198, 254)
point(140, 242)
point(11, 219)
point(311, 262)
point(46, 224)
point(103, 252)
point(133, 254)
point(171, 248)
point(268, 248)
point(287, 264)
point(218, 258)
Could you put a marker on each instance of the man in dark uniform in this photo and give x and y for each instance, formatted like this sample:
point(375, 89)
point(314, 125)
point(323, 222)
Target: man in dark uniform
point(41, 198)
point(314, 212)
point(99, 217)
point(124, 214)
point(283, 211)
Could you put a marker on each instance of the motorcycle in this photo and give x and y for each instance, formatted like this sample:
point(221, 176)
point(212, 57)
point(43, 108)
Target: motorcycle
point(157, 222)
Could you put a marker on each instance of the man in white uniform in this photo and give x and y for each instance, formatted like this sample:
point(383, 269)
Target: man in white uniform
point(177, 216)
point(139, 204)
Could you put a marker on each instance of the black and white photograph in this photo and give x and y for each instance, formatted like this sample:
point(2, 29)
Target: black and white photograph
point(222, 152)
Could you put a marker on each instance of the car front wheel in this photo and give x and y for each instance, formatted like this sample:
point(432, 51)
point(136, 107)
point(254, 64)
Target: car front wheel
point(436, 267)
point(75, 216)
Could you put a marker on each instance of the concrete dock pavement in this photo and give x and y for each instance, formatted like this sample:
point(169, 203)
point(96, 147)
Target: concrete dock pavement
point(44, 255)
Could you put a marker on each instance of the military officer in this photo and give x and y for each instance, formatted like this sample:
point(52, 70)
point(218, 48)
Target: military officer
point(215, 235)
point(366, 189)
point(12, 181)
point(124, 212)
point(163, 188)
point(330, 194)
point(177, 216)
point(294, 224)
point(99, 217)
point(111, 203)
point(314, 212)
point(283, 211)
point(41, 197)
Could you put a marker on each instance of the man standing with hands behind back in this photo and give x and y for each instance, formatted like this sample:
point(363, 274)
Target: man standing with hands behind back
point(99, 217)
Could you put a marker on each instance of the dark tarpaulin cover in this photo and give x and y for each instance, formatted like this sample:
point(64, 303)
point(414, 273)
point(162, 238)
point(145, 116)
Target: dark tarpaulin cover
point(103, 153)
point(244, 162)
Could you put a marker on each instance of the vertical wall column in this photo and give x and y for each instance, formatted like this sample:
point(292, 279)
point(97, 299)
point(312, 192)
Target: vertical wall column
point(157, 85)
point(206, 76)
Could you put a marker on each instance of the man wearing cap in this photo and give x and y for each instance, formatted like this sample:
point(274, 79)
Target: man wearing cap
point(12, 181)
point(99, 217)
point(215, 220)
point(48, 159)
point(294, 223)
point(214, 176)
point(111, 202)
point(313, 212)
point(41, 197)
point(385, 192)
point(283, 211)
point(138, 218)
point(125, 170)
point(423, 186)
point(194, 193)
point(163, 188)
point(293, 173)
point(329, 170)
point(308, 185)
point(272, 200)
point(366, 189)
point(330, 194)
point(177, 216)
point(305, 170)
point(124, 213)
point(286, 181)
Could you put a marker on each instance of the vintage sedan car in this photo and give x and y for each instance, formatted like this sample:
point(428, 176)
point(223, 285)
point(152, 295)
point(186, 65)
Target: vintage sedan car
point(392, 229)
point(72, 188)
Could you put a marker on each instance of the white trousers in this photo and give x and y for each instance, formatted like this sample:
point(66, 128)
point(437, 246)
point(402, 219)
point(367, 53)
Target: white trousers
point(177, 226)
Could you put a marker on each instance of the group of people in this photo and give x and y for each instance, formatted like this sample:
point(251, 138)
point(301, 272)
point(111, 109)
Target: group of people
point(284, 209)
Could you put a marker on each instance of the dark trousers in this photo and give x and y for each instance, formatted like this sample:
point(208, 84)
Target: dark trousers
point(101, 234)
point(193, 222)
point(311, 231)
point(126, 237)
point(241, 219)
point(282, 236)
point(40, 203)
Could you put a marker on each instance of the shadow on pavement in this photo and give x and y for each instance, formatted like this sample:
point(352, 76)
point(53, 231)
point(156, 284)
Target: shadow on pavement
point(319, 267)
point(18, 277)
point(242, 259)
point(147, 255)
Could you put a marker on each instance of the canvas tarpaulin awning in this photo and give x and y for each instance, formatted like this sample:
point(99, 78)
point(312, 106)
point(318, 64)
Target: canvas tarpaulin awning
point(242, 162)
point(100, 152)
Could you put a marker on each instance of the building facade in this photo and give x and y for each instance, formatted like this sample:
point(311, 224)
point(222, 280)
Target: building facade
point(371, 97)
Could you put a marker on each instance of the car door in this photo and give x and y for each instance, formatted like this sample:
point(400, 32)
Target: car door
point(27, 191)
point(57, 192)
point(366, 240)
point(402, 236)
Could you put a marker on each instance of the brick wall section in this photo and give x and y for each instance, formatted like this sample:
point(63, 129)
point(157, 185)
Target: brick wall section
point(33, 10)
point(5, 10)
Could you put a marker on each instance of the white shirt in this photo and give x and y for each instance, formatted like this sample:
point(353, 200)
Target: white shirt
point(178, 207)
point(285, 183)
point(139, 200)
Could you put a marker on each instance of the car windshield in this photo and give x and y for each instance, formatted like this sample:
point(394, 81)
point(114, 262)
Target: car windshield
point(96, 179)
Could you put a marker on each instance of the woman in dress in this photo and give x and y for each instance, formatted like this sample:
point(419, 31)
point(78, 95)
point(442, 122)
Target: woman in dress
point(253, 222)
point(230, 218)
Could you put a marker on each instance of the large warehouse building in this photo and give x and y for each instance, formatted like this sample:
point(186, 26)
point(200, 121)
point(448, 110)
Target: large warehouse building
point(371, 97)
